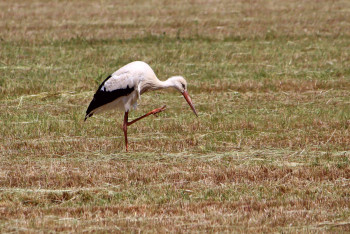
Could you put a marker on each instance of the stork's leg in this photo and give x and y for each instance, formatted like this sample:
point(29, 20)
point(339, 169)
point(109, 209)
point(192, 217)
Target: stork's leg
point(155, 111)
point(126, 123)
point(125, 129)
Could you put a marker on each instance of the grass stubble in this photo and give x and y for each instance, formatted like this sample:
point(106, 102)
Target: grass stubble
point(269, 152)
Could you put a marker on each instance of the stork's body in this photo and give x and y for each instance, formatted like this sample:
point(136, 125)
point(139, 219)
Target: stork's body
point(124, 87)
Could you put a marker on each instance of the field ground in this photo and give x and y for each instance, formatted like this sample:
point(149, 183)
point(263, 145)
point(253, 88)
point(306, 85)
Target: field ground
point(270, 151)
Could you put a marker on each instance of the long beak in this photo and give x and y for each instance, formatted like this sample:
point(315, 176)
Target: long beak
point(189, 101)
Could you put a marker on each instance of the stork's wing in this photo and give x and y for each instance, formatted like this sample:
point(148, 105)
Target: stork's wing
point(113, 87)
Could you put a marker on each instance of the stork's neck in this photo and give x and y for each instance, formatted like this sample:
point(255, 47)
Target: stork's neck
point(155, 84)
point(169, 83)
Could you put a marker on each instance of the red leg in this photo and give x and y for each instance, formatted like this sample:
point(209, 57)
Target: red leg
point(155, 111)
point(125, 129)
point(126, 123)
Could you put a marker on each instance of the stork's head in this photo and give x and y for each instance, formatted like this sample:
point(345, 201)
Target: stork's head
point(179, 83)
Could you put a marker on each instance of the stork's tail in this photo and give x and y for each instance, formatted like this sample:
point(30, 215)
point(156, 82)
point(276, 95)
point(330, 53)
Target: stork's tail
point(90, 109)
point(87, 116)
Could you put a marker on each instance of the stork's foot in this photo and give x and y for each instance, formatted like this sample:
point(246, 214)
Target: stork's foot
point(158, 110)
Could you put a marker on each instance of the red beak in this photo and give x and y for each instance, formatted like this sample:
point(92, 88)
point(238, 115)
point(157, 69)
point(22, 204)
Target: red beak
point(189, 101)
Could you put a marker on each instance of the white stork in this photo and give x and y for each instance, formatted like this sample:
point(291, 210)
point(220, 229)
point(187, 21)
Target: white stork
point(122, 89)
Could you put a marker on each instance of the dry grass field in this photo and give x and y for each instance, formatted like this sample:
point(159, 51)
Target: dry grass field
point(270, 151)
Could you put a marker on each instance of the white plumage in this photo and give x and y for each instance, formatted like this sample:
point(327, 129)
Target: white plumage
point(124, 87)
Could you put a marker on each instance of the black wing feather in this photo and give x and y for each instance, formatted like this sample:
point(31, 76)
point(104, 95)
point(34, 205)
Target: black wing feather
point(103, 97)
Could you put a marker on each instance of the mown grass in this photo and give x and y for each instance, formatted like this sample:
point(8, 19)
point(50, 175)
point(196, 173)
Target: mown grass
point(269, 151)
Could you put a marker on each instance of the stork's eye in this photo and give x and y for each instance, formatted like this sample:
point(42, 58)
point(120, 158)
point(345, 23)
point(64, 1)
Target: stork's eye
point(183, 86)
